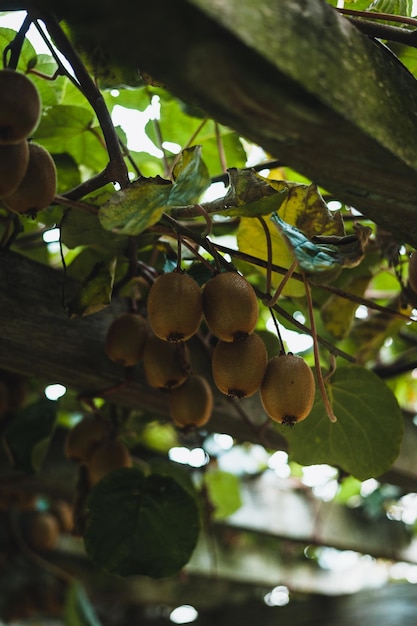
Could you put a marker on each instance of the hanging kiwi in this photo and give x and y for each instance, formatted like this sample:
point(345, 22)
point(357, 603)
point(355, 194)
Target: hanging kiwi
point(83, 438)
point(238, 367)
point(108, 456)
point(20, 106)
point(230, 306)
point(37, 189)
point(14, 159)
point(43, 531)
point(174, 306)
point(125, 339)
point(287, 389)
point(166, 364)
point(191, 403)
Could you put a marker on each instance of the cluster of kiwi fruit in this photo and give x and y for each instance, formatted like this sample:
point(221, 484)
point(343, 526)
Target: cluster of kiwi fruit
point(176, 306)
point(27, 170)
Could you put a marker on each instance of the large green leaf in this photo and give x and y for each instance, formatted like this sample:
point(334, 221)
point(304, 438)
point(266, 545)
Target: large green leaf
point(141, 525)
point(64, 121)
point(30, 430)
point(366, 438)
point(140, 205)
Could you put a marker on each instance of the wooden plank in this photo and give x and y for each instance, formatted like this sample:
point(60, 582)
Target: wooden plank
point(297, 78)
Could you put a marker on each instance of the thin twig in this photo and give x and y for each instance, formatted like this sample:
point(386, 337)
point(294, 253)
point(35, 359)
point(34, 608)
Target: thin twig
point(117, 170)
point(332, 417)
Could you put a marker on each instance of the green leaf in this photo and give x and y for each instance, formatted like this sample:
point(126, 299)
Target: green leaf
point(224, 492)
point(64, 121)
point(141, 525)
point(131, 210)
point(80, 228)
point(140, 205)
point(191, 178)
point(78, 610)
point(96, 291)
point(393, 7)
point(30, 428)
point(27, 54)
point(366, 438)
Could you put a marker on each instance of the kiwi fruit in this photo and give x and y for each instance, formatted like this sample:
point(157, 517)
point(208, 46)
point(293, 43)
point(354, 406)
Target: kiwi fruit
point(20, 106)
point(191, 403)
point(84, 437)
point(37, 189)
point(166, 364)
point(43, 531)
point(109, 456)
point(238, 367)
point(14, 160)
point(174, 306)
point(230, 306)
point(412, 272)
point(125, 339)
point(288, 388)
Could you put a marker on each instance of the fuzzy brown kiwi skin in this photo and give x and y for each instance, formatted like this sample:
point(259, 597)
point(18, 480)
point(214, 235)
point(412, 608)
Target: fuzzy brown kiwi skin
point(239, 367)
point(14, 159)
point(175, 307)
point(20, 106)
point(230, 306)
point(84, 437)
point(166, 364)
point(125, 339)
point(288, 389)
point(191, 403)
point(37, 189)
point(107, 457)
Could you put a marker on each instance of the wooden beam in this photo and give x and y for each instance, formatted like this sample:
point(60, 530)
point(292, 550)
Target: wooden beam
point(295, 77)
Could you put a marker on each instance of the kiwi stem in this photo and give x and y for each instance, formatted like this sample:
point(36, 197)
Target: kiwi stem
point(268, 283)
point(179, 252)
point(281, 343)
point(188, 144)
point(220, 148)
point(15, 46)
point(76, 204)
point(117, 170)
point(207, 218)
point(282, 284)
point(332, 417)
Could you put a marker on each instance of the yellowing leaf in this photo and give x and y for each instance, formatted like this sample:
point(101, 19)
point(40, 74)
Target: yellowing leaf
point(305, 208)
point(338, 313)
point(140, 205)
point(251, 240)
